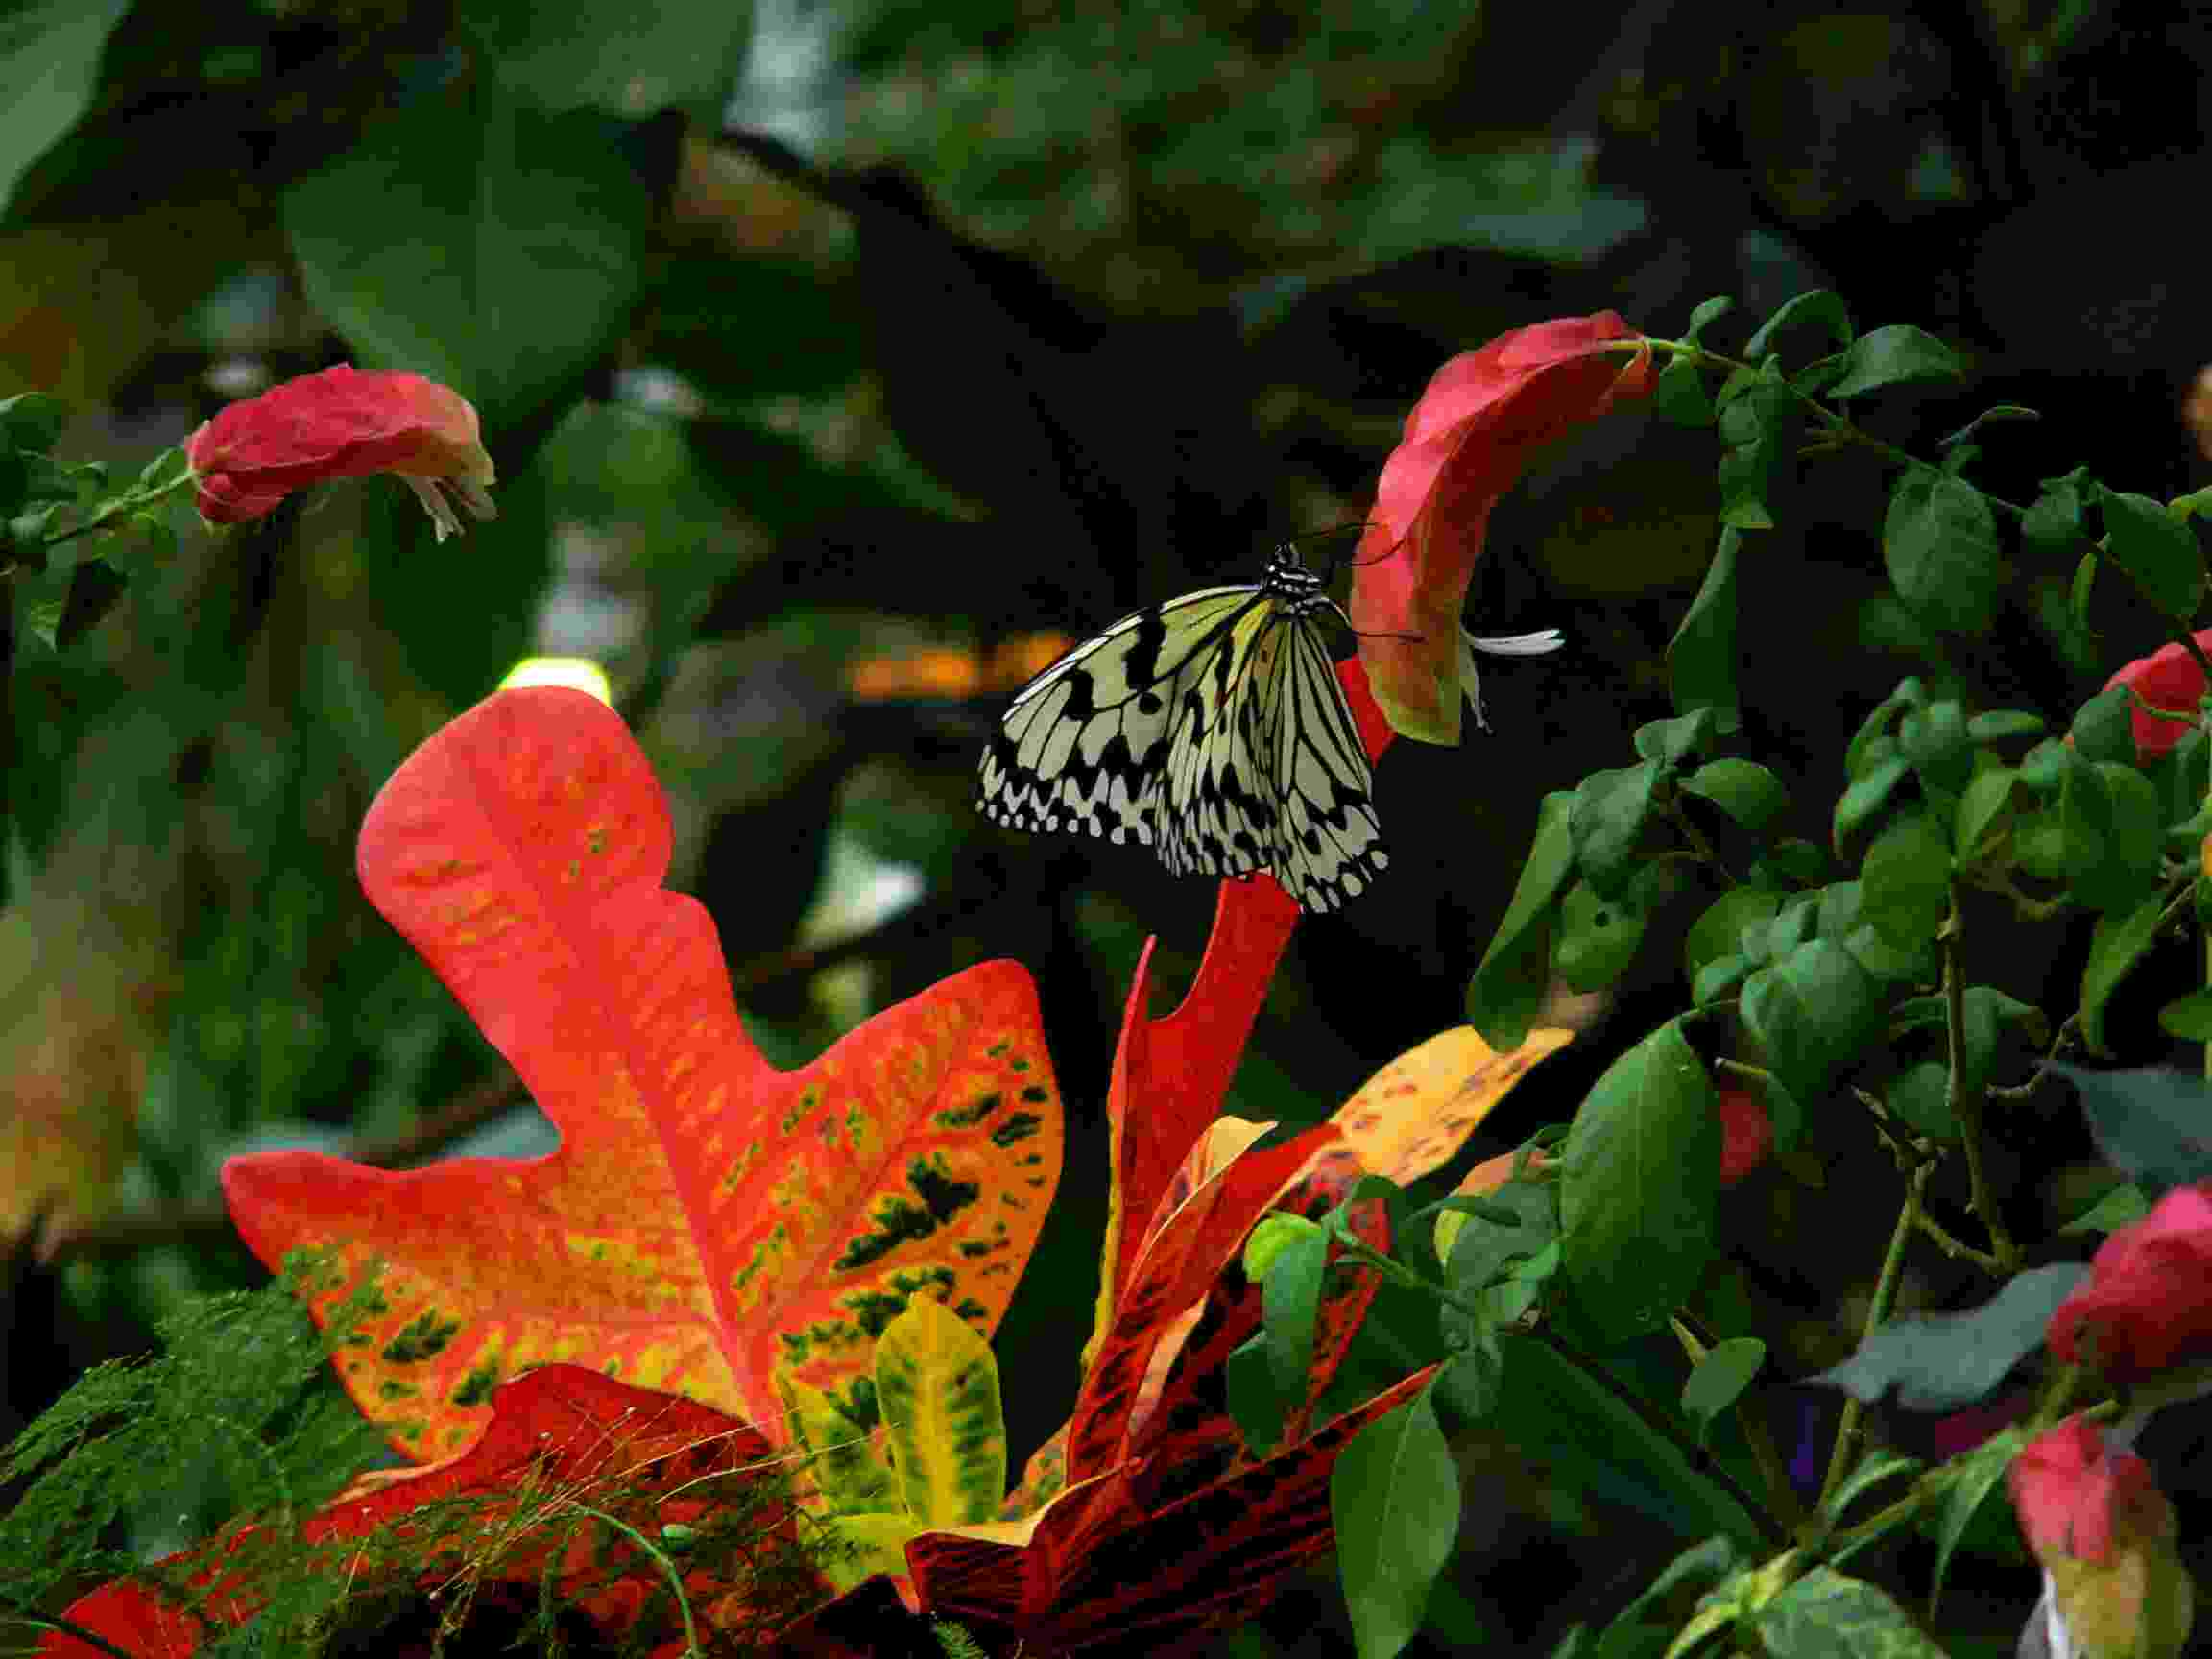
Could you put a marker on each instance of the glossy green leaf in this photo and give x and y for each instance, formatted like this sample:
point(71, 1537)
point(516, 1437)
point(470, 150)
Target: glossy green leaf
point(2053, 523)
point(1921, 1095)
point(2158, 550)
point(1394, 1496)
point(1291, 1302)
point(1972, 1478)
point(2124, 1204)
point(2001, 724)
point(627, 59)
point(1509, 985)
point(1718, 1378)
point(1707, 313)
point(2188, 1017)
point(2104, 728)
point(1905, 882)
point(1609, 814)
point(1746, 791)
point(1639, 1181)
point(1820, 306)
point(1939, 544)
point(1814, 1010)
point(1681, 397)
point(1257, 1403)
point(1867, 796)
point(1597, 938)
point(1674, 740)
point(1754, 425)
point(49, 66)
point(1987, 800)
point(1933, 739)
point(1892, 356)
point(1719, 931)
point(2120, 939)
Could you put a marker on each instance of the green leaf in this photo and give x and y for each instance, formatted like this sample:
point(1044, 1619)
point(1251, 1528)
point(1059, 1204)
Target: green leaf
point(1814, 1011)
point(2001, 724)
point(1593, 1441)
point(1754, 425)
point(2053, 523)
point(1701, 657)
point(1987, 797)
point(1995, 413)
point(1941, 1361)
point(1718, 933)
point(50, 54)
point(2123, 1206)
point(1639, 1184)
point(1256, 1403)
point(1921, 1095)
point(1972, 1477)
point(1817, 305)
point(2157, 551)
point(1508, 986)
point(1708, 312)
point(32, 421)
point(1867, 796)
point(1721, 1377)
point(95, 590)
point(1394, 1495)
point(2188, 1017)
point(1609, 812)
point(1825, 1615)
point(1933, 739)
point(1672, 741)
point(1747, 792)
point(1718, 977)
point(1939, 542)
point(1905, 883)
point(626, 58)
point(2153, 1125)
point(2104, 728)
point(525, 233)
point(1895, 355)
point(2117, 946)
point(1792, 862)
point(1597, 938)
point(1291, 1301)
point(1680, 398)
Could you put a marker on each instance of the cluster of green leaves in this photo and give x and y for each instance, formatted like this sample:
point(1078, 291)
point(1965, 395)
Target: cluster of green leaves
point(1829, 983)
point(47, 505)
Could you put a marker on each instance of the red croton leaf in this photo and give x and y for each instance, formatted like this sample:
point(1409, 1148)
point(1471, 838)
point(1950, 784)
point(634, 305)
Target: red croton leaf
point(1481, 420)
point(342, 423)
point(559, 1436)
point(706, 1219)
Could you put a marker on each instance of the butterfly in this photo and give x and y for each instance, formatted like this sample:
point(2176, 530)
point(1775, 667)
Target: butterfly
point(1213, 729)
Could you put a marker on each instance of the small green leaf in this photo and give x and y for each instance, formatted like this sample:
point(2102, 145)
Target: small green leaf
point(1708, 312)
point(1291, 1301)
point(2104, 728)
point(1680, 397)
point(2120, 939)
point(2153, 1124)
point(2053, 523)
point(2157, 551)
point(1935, 739)
point(1754, 425)
point(2190, 1018)
point(1867, 796)
point(2000, 724)
point(1826, 1615)
point(1895, 355)
point(1996, 412)
point(1508, 986)
point(1988, 796)
point(1906, 880)
point(95, 590)
point(1792, 862)
point(1819, 306)
point(1814, 1010)
point(1719, 931)
point(1701, 657)
point(1747, 792)
point(1939, 542)
point(1597, 938)
point(1639, 1184)
point(1941, 1361)
point(1607, 821)
point(1718, 977)
point(1394, 1495)
point(1921, 1095)
point(1674, 741)
point(2123, 1206)
point(1256, 1405)
point(1721, 1377)
point(1971, 1479)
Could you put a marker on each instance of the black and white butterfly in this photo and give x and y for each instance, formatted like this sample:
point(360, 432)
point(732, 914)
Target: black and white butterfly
point(1213, 729)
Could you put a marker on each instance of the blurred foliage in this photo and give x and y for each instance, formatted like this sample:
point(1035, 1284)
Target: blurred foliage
point(815, 332)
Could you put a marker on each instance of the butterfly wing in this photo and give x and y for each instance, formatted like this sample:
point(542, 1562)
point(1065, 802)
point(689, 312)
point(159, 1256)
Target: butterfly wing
point(1086, 747)
point(1327, 840)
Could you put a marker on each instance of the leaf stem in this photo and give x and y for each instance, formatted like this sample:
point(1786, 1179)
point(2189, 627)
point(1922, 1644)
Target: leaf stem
point(1967, 1092)
point(1842, 1455)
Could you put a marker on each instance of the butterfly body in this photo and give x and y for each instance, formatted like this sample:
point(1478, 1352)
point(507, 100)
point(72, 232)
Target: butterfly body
point(1212, 729)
